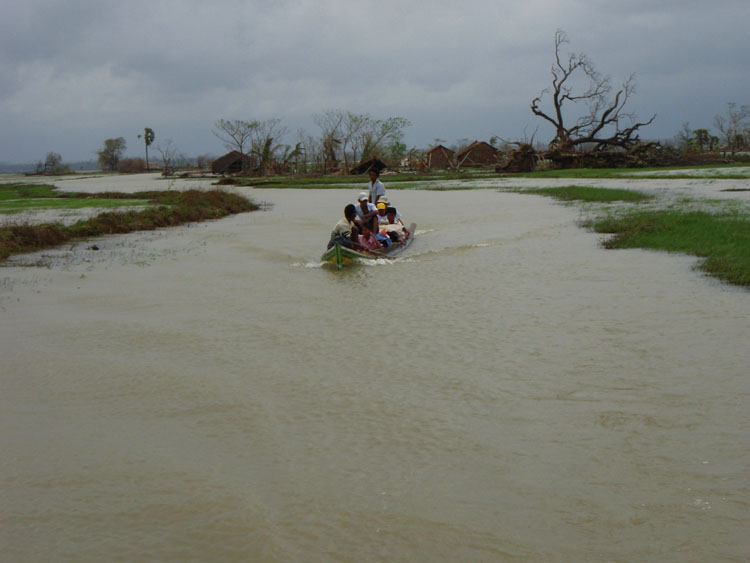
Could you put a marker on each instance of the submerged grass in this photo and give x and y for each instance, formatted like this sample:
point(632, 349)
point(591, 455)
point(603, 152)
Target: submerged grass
point(590, 194)
point(398, 181)
point(15, 198)
point(703, 172)
point(168, 209)
point(721, 239)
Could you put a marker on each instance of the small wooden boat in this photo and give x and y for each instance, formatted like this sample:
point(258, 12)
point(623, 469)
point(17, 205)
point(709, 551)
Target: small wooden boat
point(340, 256)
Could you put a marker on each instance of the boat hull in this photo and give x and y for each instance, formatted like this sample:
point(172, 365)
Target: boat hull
point(341, 256)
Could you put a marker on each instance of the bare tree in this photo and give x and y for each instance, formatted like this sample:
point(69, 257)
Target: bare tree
point(733, 127)
point(169, 156)
point(683, 138)
point(312, 151)
point(330, 122)
point(360, 136)
point(202, 161)
point(376, 134)
point(265, 141)
point(352, 126)
point(236, 134)
point(605, 123)
point(460, 144)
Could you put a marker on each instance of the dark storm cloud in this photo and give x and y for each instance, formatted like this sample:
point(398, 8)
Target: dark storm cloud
point(77, 72)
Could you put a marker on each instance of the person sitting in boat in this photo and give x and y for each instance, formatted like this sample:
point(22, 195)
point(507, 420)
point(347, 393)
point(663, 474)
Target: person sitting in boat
point(345, 232)
point(365, 210)
point(367, 238)
point(395, 224)
point(389, 204)
point(382, 217)
point(376, 187)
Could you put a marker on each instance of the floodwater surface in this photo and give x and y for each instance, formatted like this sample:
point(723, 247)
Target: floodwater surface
point(507, 390)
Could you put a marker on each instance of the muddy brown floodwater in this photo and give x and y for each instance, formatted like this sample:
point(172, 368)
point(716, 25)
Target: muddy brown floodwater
point(507, 390)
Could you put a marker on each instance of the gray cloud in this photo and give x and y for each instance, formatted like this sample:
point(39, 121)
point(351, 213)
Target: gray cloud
point(77, 72)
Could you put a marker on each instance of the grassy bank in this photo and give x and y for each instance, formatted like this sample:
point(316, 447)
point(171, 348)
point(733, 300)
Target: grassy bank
point(590, 194)
point(722, 239)
point(167, 209)
point(705, 171)
point(397, 181)
point(417, 180)
point(15, 198)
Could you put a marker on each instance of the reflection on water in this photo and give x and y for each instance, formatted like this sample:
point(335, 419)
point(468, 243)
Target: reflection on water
point(505, 390)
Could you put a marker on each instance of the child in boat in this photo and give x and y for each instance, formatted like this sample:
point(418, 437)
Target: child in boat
point(389, 204)
point(382, 217)
point(395, 224)
point(367, 238)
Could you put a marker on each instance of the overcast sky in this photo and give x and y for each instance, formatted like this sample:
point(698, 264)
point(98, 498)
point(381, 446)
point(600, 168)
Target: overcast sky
point(77, 72)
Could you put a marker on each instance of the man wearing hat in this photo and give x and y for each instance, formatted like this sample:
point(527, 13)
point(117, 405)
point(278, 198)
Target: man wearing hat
point(364, 208)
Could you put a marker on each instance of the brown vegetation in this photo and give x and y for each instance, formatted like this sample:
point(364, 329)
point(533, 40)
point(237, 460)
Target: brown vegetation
point(170, 209)
point(132, 165)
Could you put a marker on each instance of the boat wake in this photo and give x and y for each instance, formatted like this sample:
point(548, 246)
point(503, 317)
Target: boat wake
point(369, 263)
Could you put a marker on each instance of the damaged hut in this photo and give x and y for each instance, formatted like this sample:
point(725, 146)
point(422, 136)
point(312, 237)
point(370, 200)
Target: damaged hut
point(477, 153)
point(439, 157)
point(231, 163)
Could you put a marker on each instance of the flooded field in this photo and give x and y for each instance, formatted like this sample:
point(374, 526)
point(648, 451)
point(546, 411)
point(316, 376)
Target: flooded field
point(507, 390)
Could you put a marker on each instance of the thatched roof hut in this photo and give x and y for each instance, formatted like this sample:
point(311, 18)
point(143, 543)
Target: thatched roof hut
point(477, 153)
point(439, 157)
point(372, 164)
point(231, 163)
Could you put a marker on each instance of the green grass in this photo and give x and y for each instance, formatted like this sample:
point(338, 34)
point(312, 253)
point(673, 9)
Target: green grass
point(15, 198)
point(659, 173)
point(26, 191)
point(721, 239)
point(590, 194)
point(397, 181)
point(167, 209)
point(407, 181)
point(17, 206)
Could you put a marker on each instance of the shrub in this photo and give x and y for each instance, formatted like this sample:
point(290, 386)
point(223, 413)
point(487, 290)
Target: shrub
point(131, 165)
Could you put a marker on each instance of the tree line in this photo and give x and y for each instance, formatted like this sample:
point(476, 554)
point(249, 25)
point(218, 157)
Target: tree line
point(345, 138)
point(588, 115)
point(732, 133)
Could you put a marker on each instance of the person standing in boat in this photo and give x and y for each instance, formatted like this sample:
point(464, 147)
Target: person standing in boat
point(346, 232)
point(377, 189)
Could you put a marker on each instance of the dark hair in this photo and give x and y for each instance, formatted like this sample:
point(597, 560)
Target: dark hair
point(350, 210)
point(390, 210)
point(377, 172)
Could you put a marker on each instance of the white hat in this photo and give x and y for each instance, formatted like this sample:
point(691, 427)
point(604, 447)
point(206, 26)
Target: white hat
point(362, 195)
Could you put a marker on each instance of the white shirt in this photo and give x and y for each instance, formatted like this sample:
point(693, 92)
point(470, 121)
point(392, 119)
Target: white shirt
point(376, 189)
point(358, 209)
